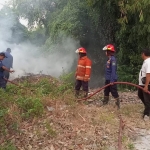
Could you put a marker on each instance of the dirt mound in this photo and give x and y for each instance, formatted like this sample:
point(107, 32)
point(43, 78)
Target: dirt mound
point(34, 78)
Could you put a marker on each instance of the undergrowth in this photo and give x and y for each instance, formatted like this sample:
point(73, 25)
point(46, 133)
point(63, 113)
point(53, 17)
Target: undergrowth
point(27, 103)
point(18, 104)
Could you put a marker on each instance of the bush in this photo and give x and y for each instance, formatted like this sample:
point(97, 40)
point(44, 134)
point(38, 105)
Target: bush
point(67, 82)
point(30, 106)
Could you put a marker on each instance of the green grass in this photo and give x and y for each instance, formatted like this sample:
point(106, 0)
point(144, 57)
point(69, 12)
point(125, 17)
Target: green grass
point(8, 146)
point(26, 103)
point(131, 146)
point(50, 130)
point(17, 105)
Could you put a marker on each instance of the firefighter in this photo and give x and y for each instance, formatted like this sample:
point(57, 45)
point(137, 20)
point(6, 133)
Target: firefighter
point(83, 72)
point(2, 69)
point(110, 75)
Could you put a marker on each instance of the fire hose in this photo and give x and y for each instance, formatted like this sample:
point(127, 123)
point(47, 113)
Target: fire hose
point(99, 90)
point(11, 82)
point(16, 84)
point(121, 123)
point(121, 127)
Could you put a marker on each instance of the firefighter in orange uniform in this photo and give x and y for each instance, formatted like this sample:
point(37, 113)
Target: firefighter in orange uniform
point(83, 72)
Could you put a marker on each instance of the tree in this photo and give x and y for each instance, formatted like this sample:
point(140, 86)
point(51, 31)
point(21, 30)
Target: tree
point(11, 29)
point(132, 37)
point(94, 23)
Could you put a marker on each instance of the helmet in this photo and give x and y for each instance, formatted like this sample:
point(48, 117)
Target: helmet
point(109, 47)
point(81, 50)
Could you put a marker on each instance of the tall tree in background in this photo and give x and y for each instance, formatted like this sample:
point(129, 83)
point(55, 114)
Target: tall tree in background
point(132, 37)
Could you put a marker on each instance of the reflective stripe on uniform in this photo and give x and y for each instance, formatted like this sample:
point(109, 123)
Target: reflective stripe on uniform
point(81, 66)
point(88, 67)
point(82, 78)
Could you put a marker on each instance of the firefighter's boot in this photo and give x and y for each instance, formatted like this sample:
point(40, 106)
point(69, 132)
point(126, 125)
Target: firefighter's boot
point(117, 102)
point(77, 94)
point(85, 94)
point(105, 100)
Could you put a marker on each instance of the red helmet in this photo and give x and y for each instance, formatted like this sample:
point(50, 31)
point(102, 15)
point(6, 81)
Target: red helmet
point(81, 50)
point(109, 47)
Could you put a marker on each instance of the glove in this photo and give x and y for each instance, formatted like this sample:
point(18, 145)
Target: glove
point(86, 79)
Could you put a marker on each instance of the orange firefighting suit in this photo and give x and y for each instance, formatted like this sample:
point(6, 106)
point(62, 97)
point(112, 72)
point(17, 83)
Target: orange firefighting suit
point(83, 73)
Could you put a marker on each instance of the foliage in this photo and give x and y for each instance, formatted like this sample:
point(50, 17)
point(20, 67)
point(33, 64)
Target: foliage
point(94, 23)
point(25, 103)
point(132, 37)
point(67, 79)
point(30, 106)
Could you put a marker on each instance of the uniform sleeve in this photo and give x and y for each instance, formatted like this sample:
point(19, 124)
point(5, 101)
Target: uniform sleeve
point(11, 62)
point(1, 64)
point(113, 70)
point(88, 70)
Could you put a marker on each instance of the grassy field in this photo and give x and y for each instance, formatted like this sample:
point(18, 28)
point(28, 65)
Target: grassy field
point(44, 115)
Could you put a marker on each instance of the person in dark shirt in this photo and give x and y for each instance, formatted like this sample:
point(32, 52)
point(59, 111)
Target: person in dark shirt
point(111, 75)
point(2, 69)
point(7, 62)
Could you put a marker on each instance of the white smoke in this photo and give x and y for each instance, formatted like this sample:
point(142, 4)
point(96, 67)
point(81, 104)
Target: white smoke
point(29, 59)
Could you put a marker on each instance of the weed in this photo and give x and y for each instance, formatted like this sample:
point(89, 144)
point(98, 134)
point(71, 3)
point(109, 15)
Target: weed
point(67, 80)
point(107, 117)
point(131, 146)
point(45, 87)
point(3, 112)
point(8, 146)
point(127, 141)
point(51, 132)
point(124, 139)
point(129, 110)
point(30, 106)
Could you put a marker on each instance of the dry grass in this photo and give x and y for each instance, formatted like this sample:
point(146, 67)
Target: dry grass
point(14, 114)
point(71, 125)
point(79, 126)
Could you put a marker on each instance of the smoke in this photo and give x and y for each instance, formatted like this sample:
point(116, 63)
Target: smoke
point(29, 58)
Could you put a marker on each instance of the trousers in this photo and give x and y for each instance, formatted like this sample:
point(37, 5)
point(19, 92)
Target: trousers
point(145, 98)
point(83, 84)
point(111, 89)
point(2, 83)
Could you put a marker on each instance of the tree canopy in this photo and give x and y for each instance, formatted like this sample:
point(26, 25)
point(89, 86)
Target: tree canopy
point(94, 23)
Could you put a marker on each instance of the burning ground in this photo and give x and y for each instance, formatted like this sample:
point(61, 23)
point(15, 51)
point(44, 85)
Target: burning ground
point(43, 115)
